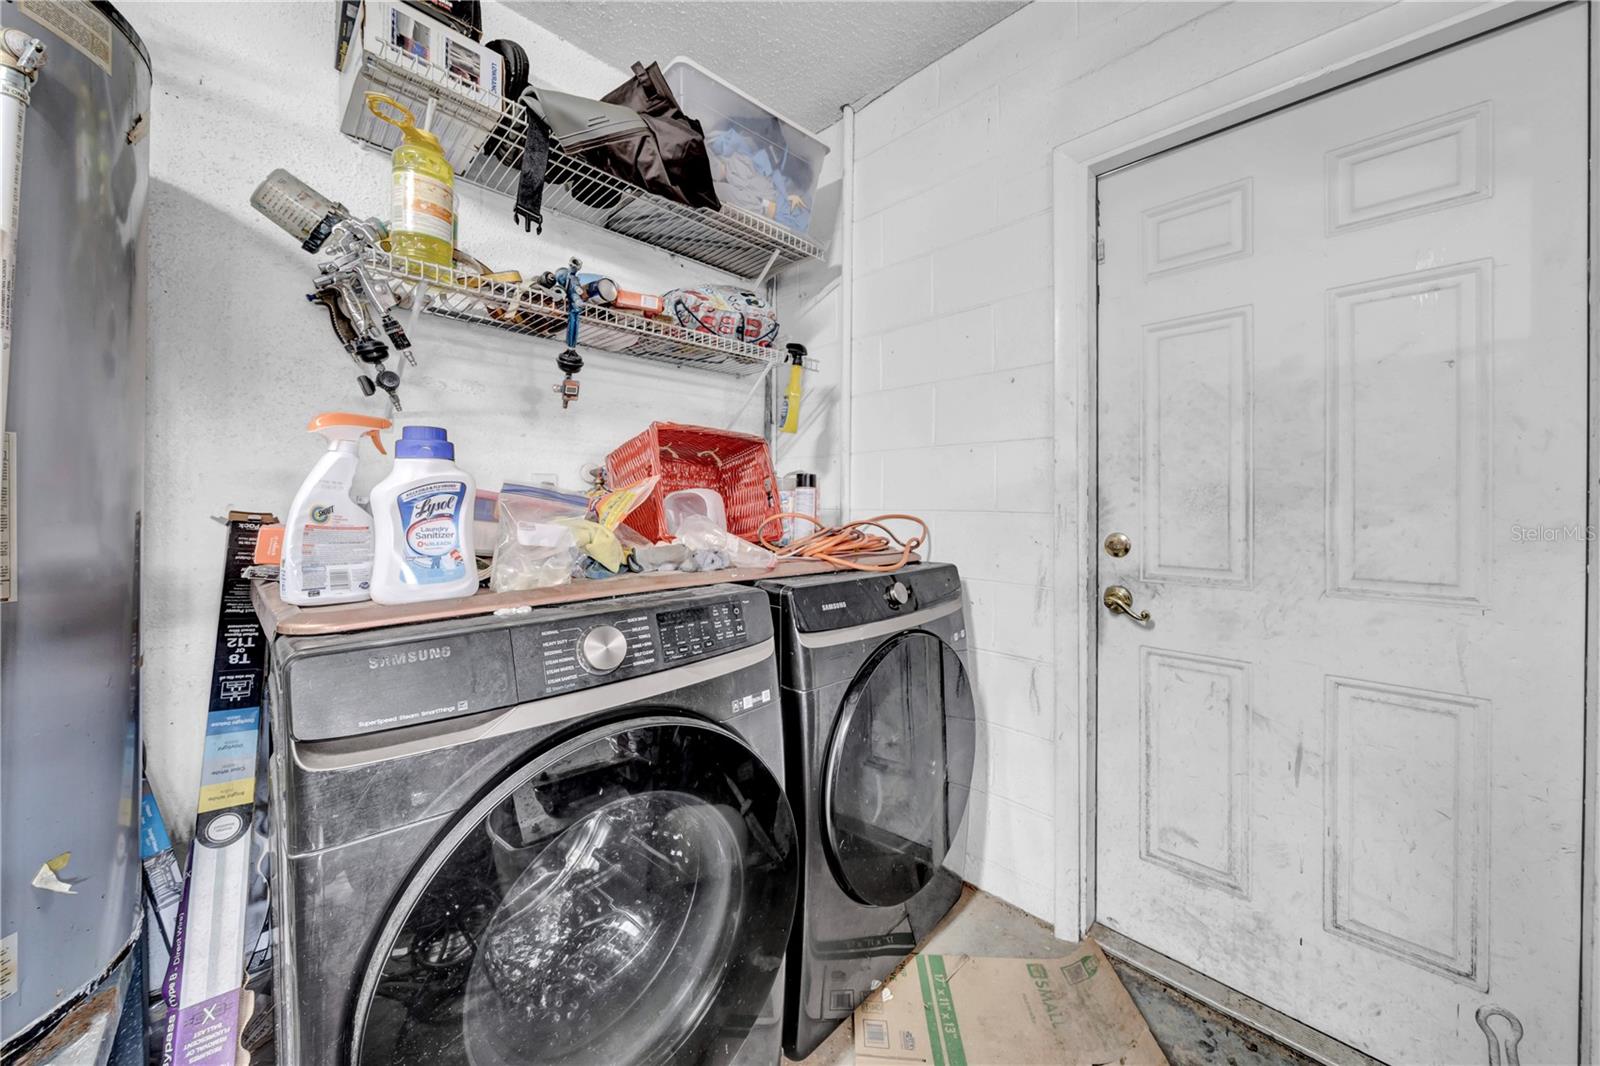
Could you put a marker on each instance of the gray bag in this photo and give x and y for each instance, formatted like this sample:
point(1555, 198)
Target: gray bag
point(573, 124)
point(578, 122)
point(637, 138)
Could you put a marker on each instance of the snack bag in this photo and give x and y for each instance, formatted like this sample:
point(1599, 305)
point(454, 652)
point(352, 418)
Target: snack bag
point(609, 510)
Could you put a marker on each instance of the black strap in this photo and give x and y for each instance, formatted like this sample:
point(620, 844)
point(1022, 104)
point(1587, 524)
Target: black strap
point(535, 161)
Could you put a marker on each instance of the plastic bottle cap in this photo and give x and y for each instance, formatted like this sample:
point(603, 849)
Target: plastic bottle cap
point(424, 442)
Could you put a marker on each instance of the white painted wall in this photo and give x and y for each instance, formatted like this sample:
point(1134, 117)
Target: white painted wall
point(954, 339)
point(239, 362)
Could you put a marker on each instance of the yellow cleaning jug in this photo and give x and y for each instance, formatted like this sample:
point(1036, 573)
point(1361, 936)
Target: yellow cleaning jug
point(422, 201)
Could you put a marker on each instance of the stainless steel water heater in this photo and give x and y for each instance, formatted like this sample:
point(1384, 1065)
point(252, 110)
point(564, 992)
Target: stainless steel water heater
point(74, 174)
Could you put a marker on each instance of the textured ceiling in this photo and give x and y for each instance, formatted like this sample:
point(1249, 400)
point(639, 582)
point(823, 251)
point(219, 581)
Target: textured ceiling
point(803, 58)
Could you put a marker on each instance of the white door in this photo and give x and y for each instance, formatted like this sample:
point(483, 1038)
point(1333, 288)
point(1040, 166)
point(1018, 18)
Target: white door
point(1342, 423)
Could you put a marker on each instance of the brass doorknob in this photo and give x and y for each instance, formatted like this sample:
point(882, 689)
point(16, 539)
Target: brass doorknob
point(1119, 600)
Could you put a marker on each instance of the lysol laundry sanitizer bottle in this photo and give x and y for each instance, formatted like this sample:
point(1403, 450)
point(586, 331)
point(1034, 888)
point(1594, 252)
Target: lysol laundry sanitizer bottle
point(327, 538)
point(422, 521)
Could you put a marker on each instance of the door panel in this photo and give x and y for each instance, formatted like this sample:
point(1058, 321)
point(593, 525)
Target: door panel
point(1196, 475)
point(1415, 528)
point(1195, 803)
point(1343, 421)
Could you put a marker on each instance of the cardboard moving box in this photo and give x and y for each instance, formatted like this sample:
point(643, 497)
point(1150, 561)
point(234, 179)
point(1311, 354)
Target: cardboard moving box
point(962, 1010)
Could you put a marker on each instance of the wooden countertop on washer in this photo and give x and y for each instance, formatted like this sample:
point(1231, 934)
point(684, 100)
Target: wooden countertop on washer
point(283, 619)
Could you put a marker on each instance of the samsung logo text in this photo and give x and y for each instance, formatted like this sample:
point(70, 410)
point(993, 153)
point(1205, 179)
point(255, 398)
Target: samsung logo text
point(404, 658)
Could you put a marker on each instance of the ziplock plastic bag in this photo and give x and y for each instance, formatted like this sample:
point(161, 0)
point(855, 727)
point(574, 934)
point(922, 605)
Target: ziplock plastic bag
point(540, 503)
point(699, 533)
point(535, 550)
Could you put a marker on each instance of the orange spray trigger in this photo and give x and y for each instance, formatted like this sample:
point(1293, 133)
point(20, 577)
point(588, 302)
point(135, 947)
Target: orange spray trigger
point(338, 426)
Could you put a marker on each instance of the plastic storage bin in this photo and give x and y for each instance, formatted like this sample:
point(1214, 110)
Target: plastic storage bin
point(736, 466)
point(703, 502)
point(760, 161)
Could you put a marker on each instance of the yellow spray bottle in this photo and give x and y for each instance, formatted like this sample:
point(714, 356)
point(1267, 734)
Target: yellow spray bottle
point(422, 201)
point(791, 394)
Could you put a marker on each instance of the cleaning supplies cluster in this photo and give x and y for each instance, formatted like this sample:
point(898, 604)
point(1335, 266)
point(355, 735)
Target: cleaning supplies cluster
point(417, 540)
point(415, 544)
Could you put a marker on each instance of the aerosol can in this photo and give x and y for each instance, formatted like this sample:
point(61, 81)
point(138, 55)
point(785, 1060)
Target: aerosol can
point(327, 537)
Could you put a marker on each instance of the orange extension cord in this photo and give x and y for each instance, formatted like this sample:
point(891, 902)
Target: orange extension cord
point(838, 543)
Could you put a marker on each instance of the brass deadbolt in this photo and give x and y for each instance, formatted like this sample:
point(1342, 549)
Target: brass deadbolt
point(1118, 545)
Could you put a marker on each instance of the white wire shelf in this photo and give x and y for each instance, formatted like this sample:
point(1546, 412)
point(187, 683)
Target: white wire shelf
point(535, 311)
point(484, 145)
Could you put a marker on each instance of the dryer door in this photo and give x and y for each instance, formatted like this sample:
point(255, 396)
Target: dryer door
point(898, 768)
point(624, 897)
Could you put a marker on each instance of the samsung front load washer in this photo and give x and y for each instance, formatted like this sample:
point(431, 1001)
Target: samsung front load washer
point(560, 837)
point(880, 732)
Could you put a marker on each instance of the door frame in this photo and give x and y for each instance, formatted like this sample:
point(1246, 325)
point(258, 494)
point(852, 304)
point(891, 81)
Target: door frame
point(1387, 38)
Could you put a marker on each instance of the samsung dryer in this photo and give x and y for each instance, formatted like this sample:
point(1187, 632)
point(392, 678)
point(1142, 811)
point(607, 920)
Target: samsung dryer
point(880, 733)
point(559, 837)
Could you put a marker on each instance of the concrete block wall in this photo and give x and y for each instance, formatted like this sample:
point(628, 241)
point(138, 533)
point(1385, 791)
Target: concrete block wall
point(953, 338)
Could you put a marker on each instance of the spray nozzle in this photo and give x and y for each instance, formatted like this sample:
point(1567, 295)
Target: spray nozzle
point(339, 426)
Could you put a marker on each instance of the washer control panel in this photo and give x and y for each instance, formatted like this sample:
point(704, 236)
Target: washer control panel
point(571, 650)
point(574, 654)
point(432, 671)
point(691, 632)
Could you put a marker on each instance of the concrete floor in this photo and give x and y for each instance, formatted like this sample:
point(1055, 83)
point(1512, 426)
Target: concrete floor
point(1190, 1033)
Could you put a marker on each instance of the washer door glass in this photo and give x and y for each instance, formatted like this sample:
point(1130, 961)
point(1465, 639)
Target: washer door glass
point(898, 769)
point(625, 898)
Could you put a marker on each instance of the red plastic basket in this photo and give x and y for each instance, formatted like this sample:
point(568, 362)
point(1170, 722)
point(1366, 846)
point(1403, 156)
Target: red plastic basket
point(738, 466)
